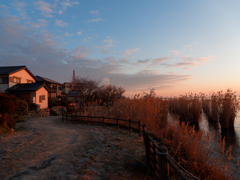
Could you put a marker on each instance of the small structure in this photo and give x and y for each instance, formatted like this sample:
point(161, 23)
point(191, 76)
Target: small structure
point(36, 93)
point(54, 86)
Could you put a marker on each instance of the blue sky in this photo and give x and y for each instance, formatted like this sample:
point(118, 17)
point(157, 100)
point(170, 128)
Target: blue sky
point(176, 46)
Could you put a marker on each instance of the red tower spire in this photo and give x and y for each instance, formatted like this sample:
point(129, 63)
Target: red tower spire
point(73, 76)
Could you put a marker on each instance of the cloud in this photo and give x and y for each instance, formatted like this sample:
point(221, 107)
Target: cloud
point(41, 22)
point(43, 55)
point(60, 23)
point(79, 32)
point(191, 45)
point(105, 81)
point(95, 20)
point(67, 34)
point(130, 51)
point(60, 12)
point(109, 41)
point(175, 52)
point(68, 3)
point(190, 62)
point(4, 9)
point(160, 60)
point(45, 8)
point(96, 12)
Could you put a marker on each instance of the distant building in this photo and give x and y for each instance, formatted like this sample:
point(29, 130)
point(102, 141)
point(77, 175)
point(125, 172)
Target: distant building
point(54, 86)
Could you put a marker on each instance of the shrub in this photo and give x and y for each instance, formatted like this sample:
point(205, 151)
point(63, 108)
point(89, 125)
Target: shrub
point(7, 111)
point(21, 107)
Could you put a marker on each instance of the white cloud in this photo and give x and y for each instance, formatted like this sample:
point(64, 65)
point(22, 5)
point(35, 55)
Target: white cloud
point(109, 41)
point(41, 22)
point(45, 7)
point(95, 20)
point(105, 81)
point(130, 51)
point(60, 12)
point(68, 3)
point(175, 52)
point(67, 34)
point(94, 12)
point(79, 32)
point(60, 23)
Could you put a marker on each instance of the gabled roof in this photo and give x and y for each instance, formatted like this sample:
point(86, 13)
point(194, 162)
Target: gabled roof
point(43, 79)
point(27, 87)
point(7, 70)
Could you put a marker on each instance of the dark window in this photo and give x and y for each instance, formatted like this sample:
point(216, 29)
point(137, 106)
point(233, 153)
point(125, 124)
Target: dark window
point(4, 80)
point(40, 98)
point(43, 97)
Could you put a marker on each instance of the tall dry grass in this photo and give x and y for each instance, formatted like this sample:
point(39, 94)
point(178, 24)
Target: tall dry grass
point(229, 105)
point(210, 107)
point(188, 107)
point(195, 151)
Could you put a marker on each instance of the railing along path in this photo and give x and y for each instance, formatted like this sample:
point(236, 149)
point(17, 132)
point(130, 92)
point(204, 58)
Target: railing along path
point(162, 163)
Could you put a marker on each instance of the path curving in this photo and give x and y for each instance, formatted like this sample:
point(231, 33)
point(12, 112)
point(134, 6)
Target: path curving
point(47, 148)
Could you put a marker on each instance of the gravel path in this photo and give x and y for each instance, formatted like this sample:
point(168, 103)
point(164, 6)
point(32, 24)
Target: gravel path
point(47, 148)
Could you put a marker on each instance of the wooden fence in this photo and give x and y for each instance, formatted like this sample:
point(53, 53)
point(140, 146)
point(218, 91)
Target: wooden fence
point(162, 163)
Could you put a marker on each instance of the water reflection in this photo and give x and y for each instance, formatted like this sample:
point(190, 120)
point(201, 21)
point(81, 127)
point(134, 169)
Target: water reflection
point(213, 126)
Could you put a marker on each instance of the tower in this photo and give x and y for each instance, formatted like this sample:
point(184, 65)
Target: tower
point(73, 79)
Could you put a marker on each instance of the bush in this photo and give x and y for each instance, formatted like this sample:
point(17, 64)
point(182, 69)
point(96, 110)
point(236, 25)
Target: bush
point(7, 111)
point(21, 107)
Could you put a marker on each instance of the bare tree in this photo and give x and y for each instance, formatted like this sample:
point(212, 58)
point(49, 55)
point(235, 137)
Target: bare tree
point(87, 88)
point(151, 93)
point(109, 93)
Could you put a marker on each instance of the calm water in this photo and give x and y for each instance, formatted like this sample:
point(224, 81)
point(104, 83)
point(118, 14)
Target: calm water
point(232, 137)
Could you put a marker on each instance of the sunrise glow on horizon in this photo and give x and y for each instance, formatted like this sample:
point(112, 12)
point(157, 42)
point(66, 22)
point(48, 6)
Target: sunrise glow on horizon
point(175, 47)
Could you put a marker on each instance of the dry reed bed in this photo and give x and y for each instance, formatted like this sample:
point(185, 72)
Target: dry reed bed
point(193, 150)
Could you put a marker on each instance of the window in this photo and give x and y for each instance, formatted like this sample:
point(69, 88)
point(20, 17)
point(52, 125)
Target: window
point(40, 98)
point(43, 97)
point(4, 80)
point(59, 88)
point(29, 81)
point(15, 79)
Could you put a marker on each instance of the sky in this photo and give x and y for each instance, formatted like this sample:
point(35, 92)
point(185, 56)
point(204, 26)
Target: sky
point(176, 46)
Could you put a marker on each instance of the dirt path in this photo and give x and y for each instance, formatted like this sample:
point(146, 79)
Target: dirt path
point(47, 148)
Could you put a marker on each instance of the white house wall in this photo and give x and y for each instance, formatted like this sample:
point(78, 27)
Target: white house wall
point(40, 92)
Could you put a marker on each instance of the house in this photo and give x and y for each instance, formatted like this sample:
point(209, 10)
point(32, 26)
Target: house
point(20, 81)
point(12, 75)
point(31, 92)
point(54, 87)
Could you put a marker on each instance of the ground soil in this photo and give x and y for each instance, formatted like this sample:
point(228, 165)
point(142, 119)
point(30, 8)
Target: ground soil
point(47, 148)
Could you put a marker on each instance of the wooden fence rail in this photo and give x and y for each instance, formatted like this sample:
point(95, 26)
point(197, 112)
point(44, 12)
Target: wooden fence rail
point(157, 156)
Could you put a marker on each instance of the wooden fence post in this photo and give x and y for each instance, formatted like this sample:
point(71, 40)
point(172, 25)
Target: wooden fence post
point(117, 124)
point(103, 121)
point(146, 143)
point(139, 129)
point(163, 167)
point(130, 128)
